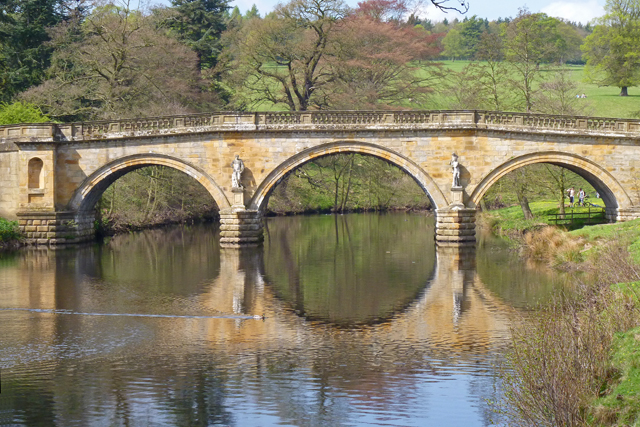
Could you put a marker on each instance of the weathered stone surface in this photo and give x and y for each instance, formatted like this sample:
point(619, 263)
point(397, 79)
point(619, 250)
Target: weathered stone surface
point(78, 159)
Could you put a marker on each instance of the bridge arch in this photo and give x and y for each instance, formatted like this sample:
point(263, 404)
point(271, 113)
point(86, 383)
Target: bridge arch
point(90, 190)
point(610, 190)
point(427, 183)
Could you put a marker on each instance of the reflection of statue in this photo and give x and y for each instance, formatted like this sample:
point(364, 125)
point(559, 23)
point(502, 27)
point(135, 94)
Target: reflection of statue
point(238, 167)
point(456, 170)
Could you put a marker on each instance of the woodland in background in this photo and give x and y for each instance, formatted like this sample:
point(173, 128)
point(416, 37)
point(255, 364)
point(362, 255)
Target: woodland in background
point(153, 196)
point(347, 183)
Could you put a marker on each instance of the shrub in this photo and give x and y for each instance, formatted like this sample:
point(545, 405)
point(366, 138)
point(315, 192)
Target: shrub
point(19, 112)
point(9, 230)
point(560, 362)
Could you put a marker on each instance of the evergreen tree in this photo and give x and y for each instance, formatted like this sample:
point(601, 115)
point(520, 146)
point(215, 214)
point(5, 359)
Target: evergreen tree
point(199, 24)
point(24, 52)
point(252, 13)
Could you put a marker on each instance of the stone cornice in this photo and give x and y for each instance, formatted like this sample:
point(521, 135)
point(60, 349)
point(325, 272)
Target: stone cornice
point(307, 121)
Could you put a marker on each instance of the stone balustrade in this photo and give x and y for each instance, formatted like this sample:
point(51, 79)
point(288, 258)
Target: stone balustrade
point(320, 120)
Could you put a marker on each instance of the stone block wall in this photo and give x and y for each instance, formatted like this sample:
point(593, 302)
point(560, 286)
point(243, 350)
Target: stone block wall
point(455, 226)
point(615, 215)
point(240, 227)
point(56, 228)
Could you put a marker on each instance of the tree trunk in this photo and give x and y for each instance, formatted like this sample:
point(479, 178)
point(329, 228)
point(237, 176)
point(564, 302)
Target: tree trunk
point(524, 204)
point(526, 210)
point(623, 91)
point(346, 195)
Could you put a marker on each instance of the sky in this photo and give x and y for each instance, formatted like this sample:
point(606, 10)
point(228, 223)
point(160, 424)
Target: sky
point(573, 10)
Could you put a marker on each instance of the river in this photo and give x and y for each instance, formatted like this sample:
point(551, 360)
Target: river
point(365, 322)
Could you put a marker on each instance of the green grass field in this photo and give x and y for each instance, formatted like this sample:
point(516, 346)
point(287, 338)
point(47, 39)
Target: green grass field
point(602, 101)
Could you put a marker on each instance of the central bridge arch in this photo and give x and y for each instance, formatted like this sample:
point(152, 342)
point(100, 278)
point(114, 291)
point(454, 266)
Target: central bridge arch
point(433, 192)
point(92, 188)
point(610, 190)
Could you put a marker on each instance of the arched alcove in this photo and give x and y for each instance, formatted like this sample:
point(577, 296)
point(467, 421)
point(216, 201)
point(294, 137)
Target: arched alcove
point(35, 170)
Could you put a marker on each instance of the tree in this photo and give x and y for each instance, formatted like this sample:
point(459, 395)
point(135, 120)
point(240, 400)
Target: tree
point(611, 51)
point(454, 46)
point(376, 66)
point(529, 40)
point(24, 51)
point(282, 59)
point(311, 55)
point(19, 112)
point(492, 72)
point(199, 24)
point(383, 10)
point(557, 95)
point(471, 30)
point(252, 13)
point(121, 66)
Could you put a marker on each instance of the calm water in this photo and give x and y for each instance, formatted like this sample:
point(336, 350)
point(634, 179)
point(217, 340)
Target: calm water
point(366, 323)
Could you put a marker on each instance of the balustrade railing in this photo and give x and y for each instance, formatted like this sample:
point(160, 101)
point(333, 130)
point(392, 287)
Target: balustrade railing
point(319, 119)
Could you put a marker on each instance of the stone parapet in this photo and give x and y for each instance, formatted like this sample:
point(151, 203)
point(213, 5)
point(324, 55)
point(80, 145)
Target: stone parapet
point(240, 228)
point(56, 228)
point(328, 120)
point(455, 226)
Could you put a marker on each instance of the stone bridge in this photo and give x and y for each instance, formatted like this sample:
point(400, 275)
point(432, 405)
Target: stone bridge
point(52, 175)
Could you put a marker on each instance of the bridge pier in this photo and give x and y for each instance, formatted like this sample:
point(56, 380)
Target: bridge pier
point(54, 228)
point(240, 227)
point(621, 215)
point(455, 226)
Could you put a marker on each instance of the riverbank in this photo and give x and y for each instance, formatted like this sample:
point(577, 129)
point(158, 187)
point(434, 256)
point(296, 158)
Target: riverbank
point(10, 237)
point(574, 361)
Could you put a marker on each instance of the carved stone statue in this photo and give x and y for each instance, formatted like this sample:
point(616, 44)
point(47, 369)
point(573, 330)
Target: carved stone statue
point(236, 175)
point(455, 170)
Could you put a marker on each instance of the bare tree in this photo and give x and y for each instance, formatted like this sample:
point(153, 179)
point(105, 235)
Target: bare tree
point(120, 65)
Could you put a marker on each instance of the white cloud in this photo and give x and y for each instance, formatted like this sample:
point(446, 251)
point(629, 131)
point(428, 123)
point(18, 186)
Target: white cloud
point(436, 15)
point(574, 11)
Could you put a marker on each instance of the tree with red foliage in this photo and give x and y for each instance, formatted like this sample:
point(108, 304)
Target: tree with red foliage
point(314, 54)
point(383, 10)
point(377, 65)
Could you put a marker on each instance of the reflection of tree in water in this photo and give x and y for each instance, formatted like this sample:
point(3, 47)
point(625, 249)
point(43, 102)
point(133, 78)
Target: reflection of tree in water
point(199, 401)
point(353, 269)
point(516, 283)
point(175, 259)
point(26, 403)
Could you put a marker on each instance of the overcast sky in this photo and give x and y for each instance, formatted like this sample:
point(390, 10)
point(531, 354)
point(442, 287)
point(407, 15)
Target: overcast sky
point(573, 10)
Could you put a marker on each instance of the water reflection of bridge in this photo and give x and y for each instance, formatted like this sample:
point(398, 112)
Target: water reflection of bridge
point(454, 318)
point(454, 311)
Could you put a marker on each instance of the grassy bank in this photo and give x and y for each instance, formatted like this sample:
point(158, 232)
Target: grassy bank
point(509, 221)
point(575, 361)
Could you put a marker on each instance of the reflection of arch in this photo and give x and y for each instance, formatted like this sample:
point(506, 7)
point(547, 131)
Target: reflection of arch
point(416, 172)
point(88, 193)
point(35, 173)
point(609, 188)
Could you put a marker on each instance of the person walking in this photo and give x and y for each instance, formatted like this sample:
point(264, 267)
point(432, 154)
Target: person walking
point(571, 196)
point(581, 197)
